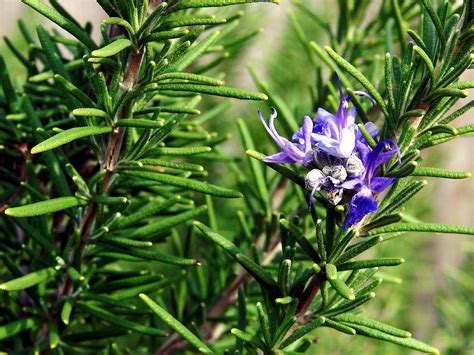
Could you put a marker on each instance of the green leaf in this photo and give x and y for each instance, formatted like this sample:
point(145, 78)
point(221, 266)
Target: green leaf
point(119, 22)
point(372, 143)
point(109, 200)
point(16, 327)
point(74, 91)
point(152, 285)
point(51, 160)
point(437, 22)
point(339, 286)
point(68, 136)
point(182, 22)
point(174, 324)
point(370, 323)
point(459, 112)
point(382, 221)
point(193, 52)
point(94, 112)
point(339, 326)
point(139, 122)
point(426, 59)
point(356, 74)
point(418, 40)
point(66, 311)
point(284, 276)
point(447, 92)
point(165, 35)
point(172, 164)
point(441, 173)
point(44, 207)
point(109, 301)
point(348, 306)
point(191, 77)
point(213, 90)
point(180, 151)
point(406, 342)
point(62, 22)
point(367, 264)
point(53, 334)
point(112, 48)
point(300, 239)
point(128, 279)
point(248, 338)
point(216, 238)
point(125, 242)
point(400, 22)
point(154, 255)
point(423, 227)
point(145, 212)
point(51, 53)
point(441, 128)
point(120, 321)
point(29, 280)
point(303, 330)
point(258, 272)
point(188, 4)
point(185, 183)
point(358, 249)
point(7, 86)
point(166, 223)
point(390, 205)
point(100, 332)
point(152, 18)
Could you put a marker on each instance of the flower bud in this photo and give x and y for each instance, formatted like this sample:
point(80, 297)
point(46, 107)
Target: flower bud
point(314, 178)
point(337, 173)
point(354, 166)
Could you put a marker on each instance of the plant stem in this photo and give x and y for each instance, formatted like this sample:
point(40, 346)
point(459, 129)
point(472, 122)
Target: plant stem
point(110, 160)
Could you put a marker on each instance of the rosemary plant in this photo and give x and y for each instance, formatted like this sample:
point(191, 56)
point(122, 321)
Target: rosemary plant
point(110, 241)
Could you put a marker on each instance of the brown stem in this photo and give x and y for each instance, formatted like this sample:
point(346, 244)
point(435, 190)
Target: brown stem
point(307, 298)
point(110, 160)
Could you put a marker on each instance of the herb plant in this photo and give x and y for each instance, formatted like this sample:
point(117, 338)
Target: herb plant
point(112, 240)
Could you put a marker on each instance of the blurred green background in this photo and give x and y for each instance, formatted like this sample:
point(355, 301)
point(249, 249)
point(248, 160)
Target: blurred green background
point(433, 295)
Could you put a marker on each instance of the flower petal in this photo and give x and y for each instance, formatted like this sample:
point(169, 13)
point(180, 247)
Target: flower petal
point(352, 183)
point(377, 156)
point(347, 143)
point(329, 120)
point(365, 94)
point(271, 127)
point(361, 205)
point(280, 158)
point(307, 130)
point(378, 184)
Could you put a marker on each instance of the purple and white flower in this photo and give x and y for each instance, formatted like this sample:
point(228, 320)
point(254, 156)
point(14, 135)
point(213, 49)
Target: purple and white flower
point(300, 152)
point(338, 157)
point(369, 183)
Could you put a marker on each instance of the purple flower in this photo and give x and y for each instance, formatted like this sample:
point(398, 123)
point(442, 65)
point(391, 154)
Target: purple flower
point(291, 152)
point(369, 183)
point(338, 157)
point(336, 134)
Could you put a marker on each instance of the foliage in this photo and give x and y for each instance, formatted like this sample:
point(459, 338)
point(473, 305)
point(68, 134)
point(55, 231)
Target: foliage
point(104, 157)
